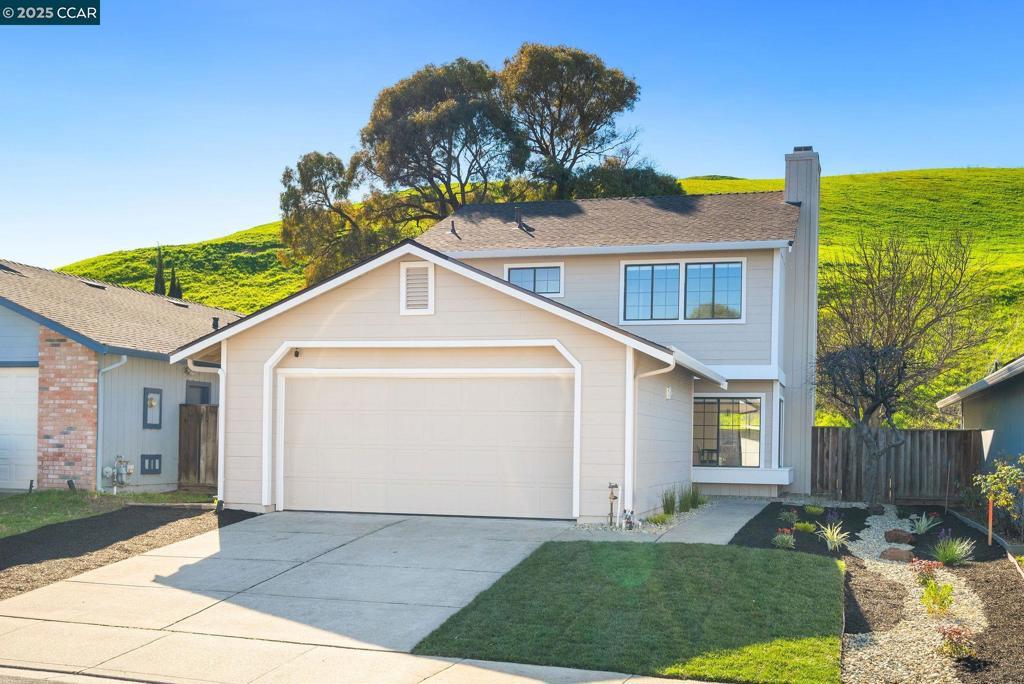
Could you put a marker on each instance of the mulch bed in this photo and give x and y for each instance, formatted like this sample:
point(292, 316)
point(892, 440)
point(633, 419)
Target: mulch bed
point(994, 579)
point(873, 603)
point(55, 552)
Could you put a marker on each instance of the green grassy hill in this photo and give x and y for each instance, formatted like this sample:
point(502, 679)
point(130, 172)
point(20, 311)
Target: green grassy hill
point(242, 271)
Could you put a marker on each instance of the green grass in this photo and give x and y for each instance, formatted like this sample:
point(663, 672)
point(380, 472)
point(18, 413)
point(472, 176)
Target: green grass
point(242, 271)
point(25, 512)
point(723, 613)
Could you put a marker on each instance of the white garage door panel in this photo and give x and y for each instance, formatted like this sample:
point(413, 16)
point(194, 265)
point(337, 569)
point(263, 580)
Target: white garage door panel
point(19, 391)
point(499, 446)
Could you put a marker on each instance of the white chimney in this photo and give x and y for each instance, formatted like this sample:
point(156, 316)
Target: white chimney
point(800, 313)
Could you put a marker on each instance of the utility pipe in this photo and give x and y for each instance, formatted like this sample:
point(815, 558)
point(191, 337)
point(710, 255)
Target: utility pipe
point(99, 418)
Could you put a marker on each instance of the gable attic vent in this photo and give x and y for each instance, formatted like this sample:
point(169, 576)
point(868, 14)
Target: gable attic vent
point(417, 288)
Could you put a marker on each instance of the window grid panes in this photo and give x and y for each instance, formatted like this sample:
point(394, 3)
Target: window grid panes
point(727, 432)
point(714, 291)
point(546, 280)
point(652, 293)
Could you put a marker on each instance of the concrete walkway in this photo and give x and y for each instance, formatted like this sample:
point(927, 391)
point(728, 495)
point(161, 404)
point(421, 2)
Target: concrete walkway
point(714, 524)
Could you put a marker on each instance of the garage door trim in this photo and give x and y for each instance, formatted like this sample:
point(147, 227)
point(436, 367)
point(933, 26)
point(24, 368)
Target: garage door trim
point(273, 431)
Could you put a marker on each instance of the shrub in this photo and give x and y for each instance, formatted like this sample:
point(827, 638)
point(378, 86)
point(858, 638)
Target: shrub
point(668, 501)
point(690, 498)
point(660, 519)
point(789, 516)
point(953, 551)
point(814, 510)
point(957, 642)
point(924, 522)
point(937, 598)
point(803, 526)
point(971, 497)
point(832, 515)
point(925, 570)
point(1005, 486)
point(833, 536)
point(784, 538)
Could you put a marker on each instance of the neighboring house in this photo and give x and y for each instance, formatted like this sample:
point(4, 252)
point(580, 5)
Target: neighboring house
point(518, 359)
point(84, 372)
point(995, 406)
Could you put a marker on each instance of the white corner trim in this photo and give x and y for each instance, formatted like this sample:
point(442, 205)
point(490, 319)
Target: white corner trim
point(777, 271)
point(528, 252)
point(629, 443)
point(560, 265)
point(777, 424)
point(540, 302)
point(402, 308)
point(762, 436)
point(682, 262)
point(273, 439)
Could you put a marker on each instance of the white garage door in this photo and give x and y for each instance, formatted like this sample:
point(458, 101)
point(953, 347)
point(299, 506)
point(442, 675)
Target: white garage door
point(488, 446)
point(19, 391)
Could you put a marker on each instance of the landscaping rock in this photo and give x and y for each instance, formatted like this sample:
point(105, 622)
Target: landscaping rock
point(876, 509)
point(898, 555)
point(898, 536)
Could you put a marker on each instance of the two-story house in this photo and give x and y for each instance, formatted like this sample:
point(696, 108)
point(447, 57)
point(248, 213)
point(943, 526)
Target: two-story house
point(519, 359)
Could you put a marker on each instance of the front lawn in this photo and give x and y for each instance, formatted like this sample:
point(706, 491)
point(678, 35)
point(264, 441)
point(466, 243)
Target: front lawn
point(722, 613)
point(23, 512)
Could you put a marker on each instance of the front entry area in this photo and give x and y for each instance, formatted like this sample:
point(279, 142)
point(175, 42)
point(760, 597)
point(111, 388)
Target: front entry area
point(473, 443)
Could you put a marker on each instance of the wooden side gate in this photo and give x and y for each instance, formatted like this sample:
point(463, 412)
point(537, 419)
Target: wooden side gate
point(197, 445)
point(930, 466)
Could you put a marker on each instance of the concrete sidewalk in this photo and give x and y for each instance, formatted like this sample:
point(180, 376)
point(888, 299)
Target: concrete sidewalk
point(714, 524)
point(67, 652)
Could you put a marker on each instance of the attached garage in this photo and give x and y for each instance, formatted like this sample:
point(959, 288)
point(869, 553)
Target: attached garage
point(466, 442)
point(19, 391)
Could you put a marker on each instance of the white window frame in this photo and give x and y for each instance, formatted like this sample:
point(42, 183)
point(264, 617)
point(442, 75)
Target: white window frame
point(552, 264)
point(682, 320)
point(762, 456)
point(405, 266)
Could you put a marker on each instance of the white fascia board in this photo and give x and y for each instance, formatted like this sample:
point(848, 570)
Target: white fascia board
point(615, 249)
point(455, 267)
point(1008, 371)
point(686, 361)
point(749, 372)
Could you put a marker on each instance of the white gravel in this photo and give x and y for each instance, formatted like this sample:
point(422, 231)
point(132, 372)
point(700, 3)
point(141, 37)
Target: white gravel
point(908, 651)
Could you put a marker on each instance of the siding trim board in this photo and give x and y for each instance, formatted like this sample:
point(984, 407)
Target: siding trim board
point(273, 432)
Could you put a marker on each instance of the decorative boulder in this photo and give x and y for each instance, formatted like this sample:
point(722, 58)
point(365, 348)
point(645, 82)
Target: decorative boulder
point(898, 555)
point(898, 536)
point(876, 509)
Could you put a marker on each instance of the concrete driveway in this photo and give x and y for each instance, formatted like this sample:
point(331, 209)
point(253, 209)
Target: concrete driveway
point(285, 597)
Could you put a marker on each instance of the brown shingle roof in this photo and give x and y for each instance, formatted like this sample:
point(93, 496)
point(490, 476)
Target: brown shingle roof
point(111, 317)
point(680, 219)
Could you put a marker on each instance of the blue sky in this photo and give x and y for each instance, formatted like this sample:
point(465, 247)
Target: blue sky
point(173, 120)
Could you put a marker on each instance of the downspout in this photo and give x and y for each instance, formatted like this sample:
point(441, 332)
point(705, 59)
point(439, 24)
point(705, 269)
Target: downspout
point(99, 418)
point(221, 372)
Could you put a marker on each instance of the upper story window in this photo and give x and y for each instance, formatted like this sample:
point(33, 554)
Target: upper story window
point(651, 292)
point(714, 290)
point(544, 279)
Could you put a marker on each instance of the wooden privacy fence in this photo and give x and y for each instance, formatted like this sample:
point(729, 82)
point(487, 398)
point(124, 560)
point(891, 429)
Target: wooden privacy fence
point(928, 467)
point(197, 444)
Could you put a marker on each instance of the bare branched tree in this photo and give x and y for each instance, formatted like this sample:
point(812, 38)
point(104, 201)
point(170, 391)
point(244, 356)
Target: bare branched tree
point(894, 316)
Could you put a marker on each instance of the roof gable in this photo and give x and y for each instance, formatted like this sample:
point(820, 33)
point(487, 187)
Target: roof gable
point(411, 247)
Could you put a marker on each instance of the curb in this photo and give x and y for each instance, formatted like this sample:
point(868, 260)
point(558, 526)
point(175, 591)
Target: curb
point(193, 506)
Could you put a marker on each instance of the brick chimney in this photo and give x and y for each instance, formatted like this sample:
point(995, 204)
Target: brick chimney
point(800, 313)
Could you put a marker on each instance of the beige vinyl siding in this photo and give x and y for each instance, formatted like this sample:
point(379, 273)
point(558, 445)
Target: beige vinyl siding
point(367, 308)
point(592, 285)
point(122, 431)
point(19, 338)
point(664, 438)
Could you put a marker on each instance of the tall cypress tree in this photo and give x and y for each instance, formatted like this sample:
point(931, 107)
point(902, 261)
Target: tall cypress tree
point(158, 280)
point(174, 290)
